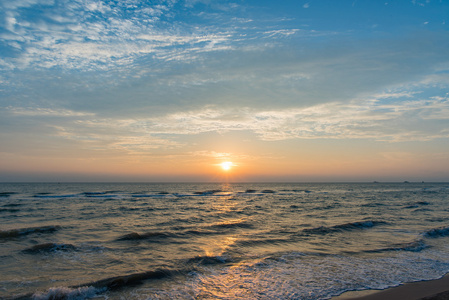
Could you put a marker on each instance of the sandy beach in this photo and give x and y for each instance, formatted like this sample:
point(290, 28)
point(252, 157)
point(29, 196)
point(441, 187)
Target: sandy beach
point(423, 290)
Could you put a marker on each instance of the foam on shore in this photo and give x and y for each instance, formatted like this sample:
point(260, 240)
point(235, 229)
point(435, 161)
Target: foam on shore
point(426, 290)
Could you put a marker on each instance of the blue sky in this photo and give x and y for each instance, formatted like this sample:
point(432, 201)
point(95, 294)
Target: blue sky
point(165, 90)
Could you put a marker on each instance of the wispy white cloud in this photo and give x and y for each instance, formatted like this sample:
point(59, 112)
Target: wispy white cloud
point(126, 136)
point(280, 32)
point(164, 78)
point(398, 121)
point(372, 120)
point(91, 33)
point(38, 111)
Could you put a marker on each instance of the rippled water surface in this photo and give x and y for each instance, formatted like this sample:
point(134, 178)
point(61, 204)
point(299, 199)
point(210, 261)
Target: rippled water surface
point(218, 241)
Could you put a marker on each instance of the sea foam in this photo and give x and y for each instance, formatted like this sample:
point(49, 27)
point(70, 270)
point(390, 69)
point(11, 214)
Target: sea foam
point(68, 293)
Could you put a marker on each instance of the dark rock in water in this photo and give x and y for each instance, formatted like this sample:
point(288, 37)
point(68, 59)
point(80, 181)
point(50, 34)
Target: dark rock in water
point(49, 247)
point(250, 191)
point(268, 191)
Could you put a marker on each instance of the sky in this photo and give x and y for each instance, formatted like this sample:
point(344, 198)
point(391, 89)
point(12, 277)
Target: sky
point(168, 90)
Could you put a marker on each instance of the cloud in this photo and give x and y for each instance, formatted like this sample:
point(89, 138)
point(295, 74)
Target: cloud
point(89, 33)
point(94, 35)
point(369, 119)
point(46, 112)
point(146, 71)
point(280, 32)
point(125, 136)
point(103, 53)
point(416, 119)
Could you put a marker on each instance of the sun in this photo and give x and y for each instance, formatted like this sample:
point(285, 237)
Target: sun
point(226, 165)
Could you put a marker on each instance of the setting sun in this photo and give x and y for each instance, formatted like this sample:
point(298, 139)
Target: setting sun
point(226, 166)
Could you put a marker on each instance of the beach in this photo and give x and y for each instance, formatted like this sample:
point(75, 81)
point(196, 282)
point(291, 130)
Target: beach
point(422, 290)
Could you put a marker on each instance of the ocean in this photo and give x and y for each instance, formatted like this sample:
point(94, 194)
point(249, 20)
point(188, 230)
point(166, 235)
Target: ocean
point(218, 241)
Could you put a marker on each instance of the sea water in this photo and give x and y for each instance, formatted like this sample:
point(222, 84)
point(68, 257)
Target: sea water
point(218, 241)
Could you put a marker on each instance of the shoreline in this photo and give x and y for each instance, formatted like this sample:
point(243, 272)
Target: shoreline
point(436, 289)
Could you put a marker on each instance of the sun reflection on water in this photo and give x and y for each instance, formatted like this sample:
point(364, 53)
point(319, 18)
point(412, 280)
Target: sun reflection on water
point(218, 247)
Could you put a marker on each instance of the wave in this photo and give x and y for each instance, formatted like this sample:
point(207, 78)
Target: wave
point(7, 194)
point(373, 204)
point(437, 232)
point(93, 289)
point(45, 195)
point(114, 283)
point(217, 193)
point(343, 227)
point(264, 241)
point(96, 288)
point(100, 193)
point(208, 260)
point(199, 232)
point(149, 195)
point(9, 210)
point(134, 236)
point(12, 205)
point(268, 191)
point(231, 224)
point(103, 196)
point(417, 204)
point(94, 193)
point(25, 231)
point(49, 247)
point(415, 246)
point(210, 192)
point(68, 293)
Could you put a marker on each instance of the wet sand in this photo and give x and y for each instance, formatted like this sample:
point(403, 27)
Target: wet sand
point(423, 290)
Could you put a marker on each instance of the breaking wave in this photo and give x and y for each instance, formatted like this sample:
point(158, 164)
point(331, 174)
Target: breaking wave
point(437, 232)
point(67, 293)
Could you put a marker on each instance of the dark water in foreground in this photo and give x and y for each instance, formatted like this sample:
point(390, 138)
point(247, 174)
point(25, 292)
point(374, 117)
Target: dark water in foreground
point(218, 241)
